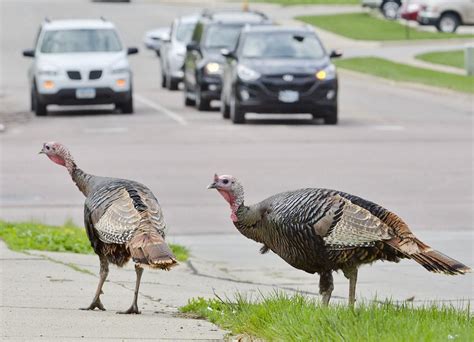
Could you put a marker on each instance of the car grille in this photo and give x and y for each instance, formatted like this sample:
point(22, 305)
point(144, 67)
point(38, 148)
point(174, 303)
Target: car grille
point(74, 75)
point(95, 74)
point(300, 83)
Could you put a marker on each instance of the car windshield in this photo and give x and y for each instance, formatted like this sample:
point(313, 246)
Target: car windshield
point(222, 36)
point(184, 32)
point(88, 40)
point(282, 45)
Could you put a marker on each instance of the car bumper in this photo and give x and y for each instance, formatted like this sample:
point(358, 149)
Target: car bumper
point(319, 99)
point(211, 88)
point(67, 97)
point(428, 18)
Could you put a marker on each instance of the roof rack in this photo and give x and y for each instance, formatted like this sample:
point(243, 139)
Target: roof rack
point(103, 18)
point(47, 20)
point(208, 13)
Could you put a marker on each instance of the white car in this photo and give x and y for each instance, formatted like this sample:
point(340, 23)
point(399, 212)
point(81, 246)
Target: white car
point(173, 51)
point(446, 15)
point(79, 62)
point(154, 38)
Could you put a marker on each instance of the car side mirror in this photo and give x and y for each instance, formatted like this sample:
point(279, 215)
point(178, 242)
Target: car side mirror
point(335, 54)
point(228, 54)
point(193, 46)
point(132, 50)
point(29, 53)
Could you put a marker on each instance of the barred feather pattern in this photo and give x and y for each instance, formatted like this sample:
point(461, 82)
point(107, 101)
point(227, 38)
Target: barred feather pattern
point(319, 230)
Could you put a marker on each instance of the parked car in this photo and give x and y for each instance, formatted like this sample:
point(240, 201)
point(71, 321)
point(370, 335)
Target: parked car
point(410, 9)
point(279, 69)
point(389, 8)
point(79, 62)
point(203, 61)
point(447, 15)
point(154, 38)
point(173, 51)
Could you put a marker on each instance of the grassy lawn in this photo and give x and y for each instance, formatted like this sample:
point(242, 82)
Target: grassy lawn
point(451, 58)
point(364, 26)
point(66, 238)
point(296, 318)
point(310, 2)
point(406, 73)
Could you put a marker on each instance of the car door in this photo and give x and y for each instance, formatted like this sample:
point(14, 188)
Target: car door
point(468, 10)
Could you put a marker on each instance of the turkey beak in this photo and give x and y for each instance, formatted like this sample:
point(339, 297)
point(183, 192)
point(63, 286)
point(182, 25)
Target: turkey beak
point(213, 185)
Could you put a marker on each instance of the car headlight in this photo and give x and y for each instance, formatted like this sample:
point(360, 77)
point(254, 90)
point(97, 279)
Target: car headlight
point(328, 73)
point(213, 68)
point(48, 71)
point(247, 74)
point(120, 70)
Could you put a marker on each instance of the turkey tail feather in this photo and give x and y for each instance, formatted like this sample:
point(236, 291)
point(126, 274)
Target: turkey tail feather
point(427, 257)
point(437, 262)
point(151, 249)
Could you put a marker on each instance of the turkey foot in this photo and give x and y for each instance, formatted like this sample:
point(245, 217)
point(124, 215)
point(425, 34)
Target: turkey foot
point(131, 310)
point(95, 304)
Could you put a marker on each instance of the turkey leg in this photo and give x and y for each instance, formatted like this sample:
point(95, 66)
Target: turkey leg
point(104, 271)
point(326, 286)
point(134, 308)
point(352, 276)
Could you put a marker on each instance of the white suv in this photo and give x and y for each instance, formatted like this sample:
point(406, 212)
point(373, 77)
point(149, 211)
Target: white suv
point(79, 62)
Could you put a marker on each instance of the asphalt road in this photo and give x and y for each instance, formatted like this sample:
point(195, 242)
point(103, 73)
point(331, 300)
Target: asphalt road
point(407, 148)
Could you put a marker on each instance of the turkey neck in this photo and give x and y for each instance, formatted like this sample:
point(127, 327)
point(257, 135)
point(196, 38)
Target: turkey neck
point(247, 223)
point(79, 177)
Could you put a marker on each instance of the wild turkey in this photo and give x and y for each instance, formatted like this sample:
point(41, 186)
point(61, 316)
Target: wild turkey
point(321, 231)
point(123, 219)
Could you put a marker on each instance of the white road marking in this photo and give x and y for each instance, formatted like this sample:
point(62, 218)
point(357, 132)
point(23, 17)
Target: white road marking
point(161, 109)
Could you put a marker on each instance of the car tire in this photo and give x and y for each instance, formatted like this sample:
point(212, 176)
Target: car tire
point(172, 84)
point(331, 117)
point(187, 101)
point(237, 115)
point(40, 108)
point(448, 23)
point(201, 104)
point(390, 9)
point(225, 109)
point(127, 107)
point(163, 80)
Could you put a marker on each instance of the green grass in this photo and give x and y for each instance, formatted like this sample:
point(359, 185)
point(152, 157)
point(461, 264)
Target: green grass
point(406, 73)
point(363, 26)
point(66, 238)
point(296, 318)
point(451, 58)
point(311, 2)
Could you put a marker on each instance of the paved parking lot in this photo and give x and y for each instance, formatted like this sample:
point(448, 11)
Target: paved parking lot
point(408, 148)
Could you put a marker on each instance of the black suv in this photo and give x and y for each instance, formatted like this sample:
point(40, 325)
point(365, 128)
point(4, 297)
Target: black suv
point(278, 69)
point(203, 61)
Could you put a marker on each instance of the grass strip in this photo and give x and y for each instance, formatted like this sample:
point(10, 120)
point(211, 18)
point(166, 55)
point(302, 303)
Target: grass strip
point(21, 236)
point(405, 73)
point(453, 58)
point(364, 26)
point(281, 317)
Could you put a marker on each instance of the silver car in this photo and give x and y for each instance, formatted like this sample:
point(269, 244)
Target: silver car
point(173, 51)
point(447, 15)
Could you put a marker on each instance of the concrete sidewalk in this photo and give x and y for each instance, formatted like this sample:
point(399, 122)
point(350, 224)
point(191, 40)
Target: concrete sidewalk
point(42, 291)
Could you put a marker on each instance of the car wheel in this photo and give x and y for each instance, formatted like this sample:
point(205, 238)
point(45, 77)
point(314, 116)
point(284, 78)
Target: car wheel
point(172, 84)
point(39, 107)
point(201, 104)
point(163, 79)
point(330, 117)
point(187, 101)
point(237, 115)
point(448, 23)
point(390, 9)
point(225, 109)
point(127, 107)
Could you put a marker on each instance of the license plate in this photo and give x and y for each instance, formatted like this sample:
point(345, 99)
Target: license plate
point(288, 96)
point(85, 93)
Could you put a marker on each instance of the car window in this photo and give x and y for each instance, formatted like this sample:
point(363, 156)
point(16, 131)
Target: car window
point(222, 36)
point(184, 32)
point(79, 40)
point(282, 45)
